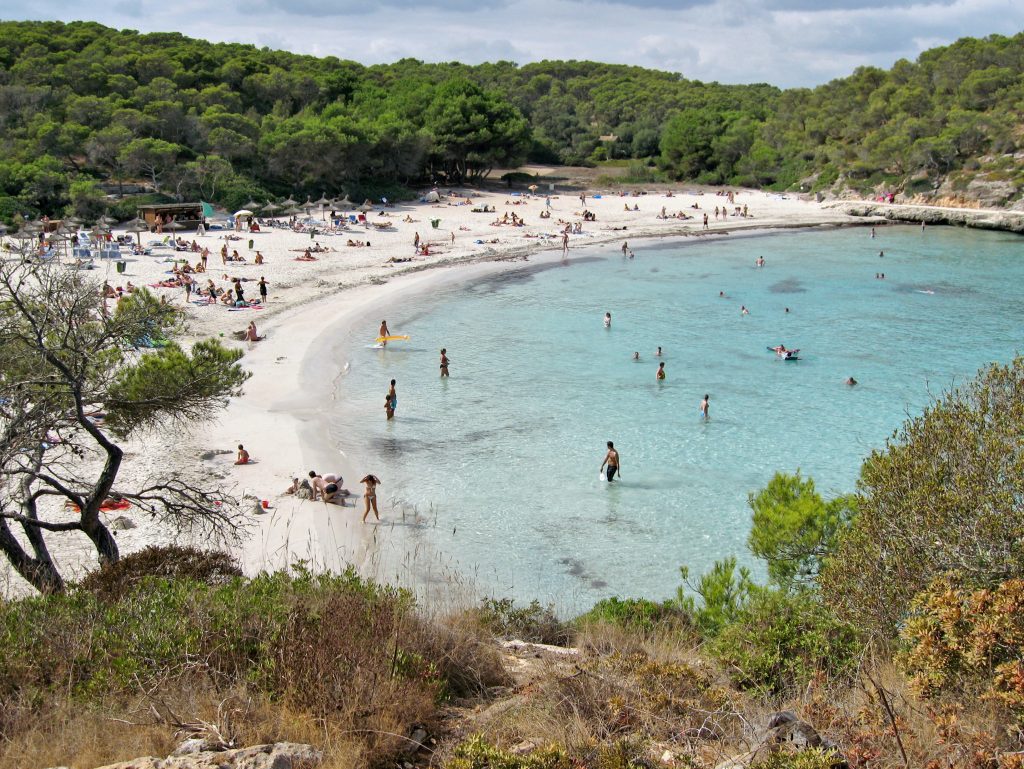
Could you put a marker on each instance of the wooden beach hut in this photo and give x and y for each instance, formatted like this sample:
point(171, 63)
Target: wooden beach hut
point(188, 215)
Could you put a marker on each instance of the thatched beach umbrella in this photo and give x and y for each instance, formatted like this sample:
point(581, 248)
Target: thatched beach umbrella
point(271, 207)
point(138, 227)
point(345, 202)
point(367, 206)
point(292, 211)
point(251, 205)
point(107, 220)
point(174, 226)
point(289, 202)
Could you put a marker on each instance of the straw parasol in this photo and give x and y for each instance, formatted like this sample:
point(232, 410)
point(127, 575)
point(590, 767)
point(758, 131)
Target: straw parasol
point(367, 206)
point(345, 202)
point(251, 205)
point(138, 227)
point(174, 226)
point(271, 207)
point(292, 211)
point(289, 202)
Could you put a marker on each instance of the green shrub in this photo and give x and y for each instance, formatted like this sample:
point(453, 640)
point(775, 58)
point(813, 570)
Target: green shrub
point(812, 758)
point(113, 581)
point(634, 614)
point(477, 753)
point(777, 642)
point(723, 591)
point(534, 623)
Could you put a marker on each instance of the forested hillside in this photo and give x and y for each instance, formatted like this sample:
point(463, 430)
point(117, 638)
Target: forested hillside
point(81, 103)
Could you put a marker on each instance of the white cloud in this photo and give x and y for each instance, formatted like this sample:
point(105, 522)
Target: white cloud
point(784, 42)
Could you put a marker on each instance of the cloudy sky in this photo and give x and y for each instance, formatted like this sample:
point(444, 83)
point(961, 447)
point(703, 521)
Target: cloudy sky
point(784, 42)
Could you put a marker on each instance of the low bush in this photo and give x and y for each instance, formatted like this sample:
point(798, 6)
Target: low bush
point(534, 623)
point(344, 649)
point(967, 643)
point(634, 614)
point(477, 753)
point(777, 642)
point(113, 581)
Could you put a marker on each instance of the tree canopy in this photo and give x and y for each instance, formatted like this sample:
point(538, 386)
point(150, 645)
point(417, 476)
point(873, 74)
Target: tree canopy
point(80, 102)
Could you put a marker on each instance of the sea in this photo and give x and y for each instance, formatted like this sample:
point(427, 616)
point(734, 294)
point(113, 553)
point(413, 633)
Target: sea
point(490, 478)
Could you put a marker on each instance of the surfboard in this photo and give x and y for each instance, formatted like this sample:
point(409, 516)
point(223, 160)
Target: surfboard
point(393, 338)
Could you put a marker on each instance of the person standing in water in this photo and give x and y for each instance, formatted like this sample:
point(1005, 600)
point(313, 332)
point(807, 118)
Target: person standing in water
point(607, 320)
point(704, 405)
point(661, 371)
point(393, 398)
point(371, 482)
point(444, 362)
point(611, 461)
point(384, 332)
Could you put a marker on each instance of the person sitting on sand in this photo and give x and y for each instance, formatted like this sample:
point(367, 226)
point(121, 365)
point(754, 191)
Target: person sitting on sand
point(259, 258)
point(243, 456)
point(227, 298)
point(295, 486)
point(251, 335)
point(199, 268)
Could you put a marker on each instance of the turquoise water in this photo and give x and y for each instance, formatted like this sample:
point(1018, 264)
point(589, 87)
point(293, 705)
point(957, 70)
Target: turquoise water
point(500, 462)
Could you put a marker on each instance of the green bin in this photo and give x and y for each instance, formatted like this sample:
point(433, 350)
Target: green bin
point(120, 265)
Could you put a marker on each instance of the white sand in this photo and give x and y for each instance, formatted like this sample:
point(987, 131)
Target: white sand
point(313, 304)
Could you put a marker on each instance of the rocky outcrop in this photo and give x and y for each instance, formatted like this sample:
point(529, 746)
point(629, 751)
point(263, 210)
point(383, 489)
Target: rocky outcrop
point(281, 755)
point(985, 219)
point(786, 733)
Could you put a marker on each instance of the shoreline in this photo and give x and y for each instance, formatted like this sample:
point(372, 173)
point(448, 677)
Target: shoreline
point(314, 307)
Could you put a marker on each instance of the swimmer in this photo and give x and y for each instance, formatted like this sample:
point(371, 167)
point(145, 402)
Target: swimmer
point(872, 233)
point(371, 482)
point(393, 397)
point(787, 310)
point(661, 371)
point(611, 459)
point(704, 406)
point(636, 355)
point(444, 362)
point(744, 310)
point(658, 353)
point(760, 261)
point(851, 381)
point(721, 295)
point(881, 254)
point(607, 320)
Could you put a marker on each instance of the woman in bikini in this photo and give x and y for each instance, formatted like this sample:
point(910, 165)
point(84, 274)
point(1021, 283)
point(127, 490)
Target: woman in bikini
point(370, 497)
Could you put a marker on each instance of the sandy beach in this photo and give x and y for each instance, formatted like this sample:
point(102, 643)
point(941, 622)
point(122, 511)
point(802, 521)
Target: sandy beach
point(314, 306)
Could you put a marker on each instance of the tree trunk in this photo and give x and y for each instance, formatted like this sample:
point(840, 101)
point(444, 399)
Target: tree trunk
point(38, 572)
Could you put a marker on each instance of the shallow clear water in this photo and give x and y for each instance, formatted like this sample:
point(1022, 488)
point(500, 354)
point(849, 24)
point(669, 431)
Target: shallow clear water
point(500, 462)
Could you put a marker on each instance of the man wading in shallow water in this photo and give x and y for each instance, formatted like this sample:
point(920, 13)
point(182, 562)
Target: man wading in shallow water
point(611, 459)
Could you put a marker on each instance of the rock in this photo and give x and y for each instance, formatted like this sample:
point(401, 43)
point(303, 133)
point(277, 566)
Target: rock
point(122, 523)
point(281, 755)
point(799, 734)
point(780, 718)
point(416, 741)
point(522, 748)
point(196, 745)
point(668, 757)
